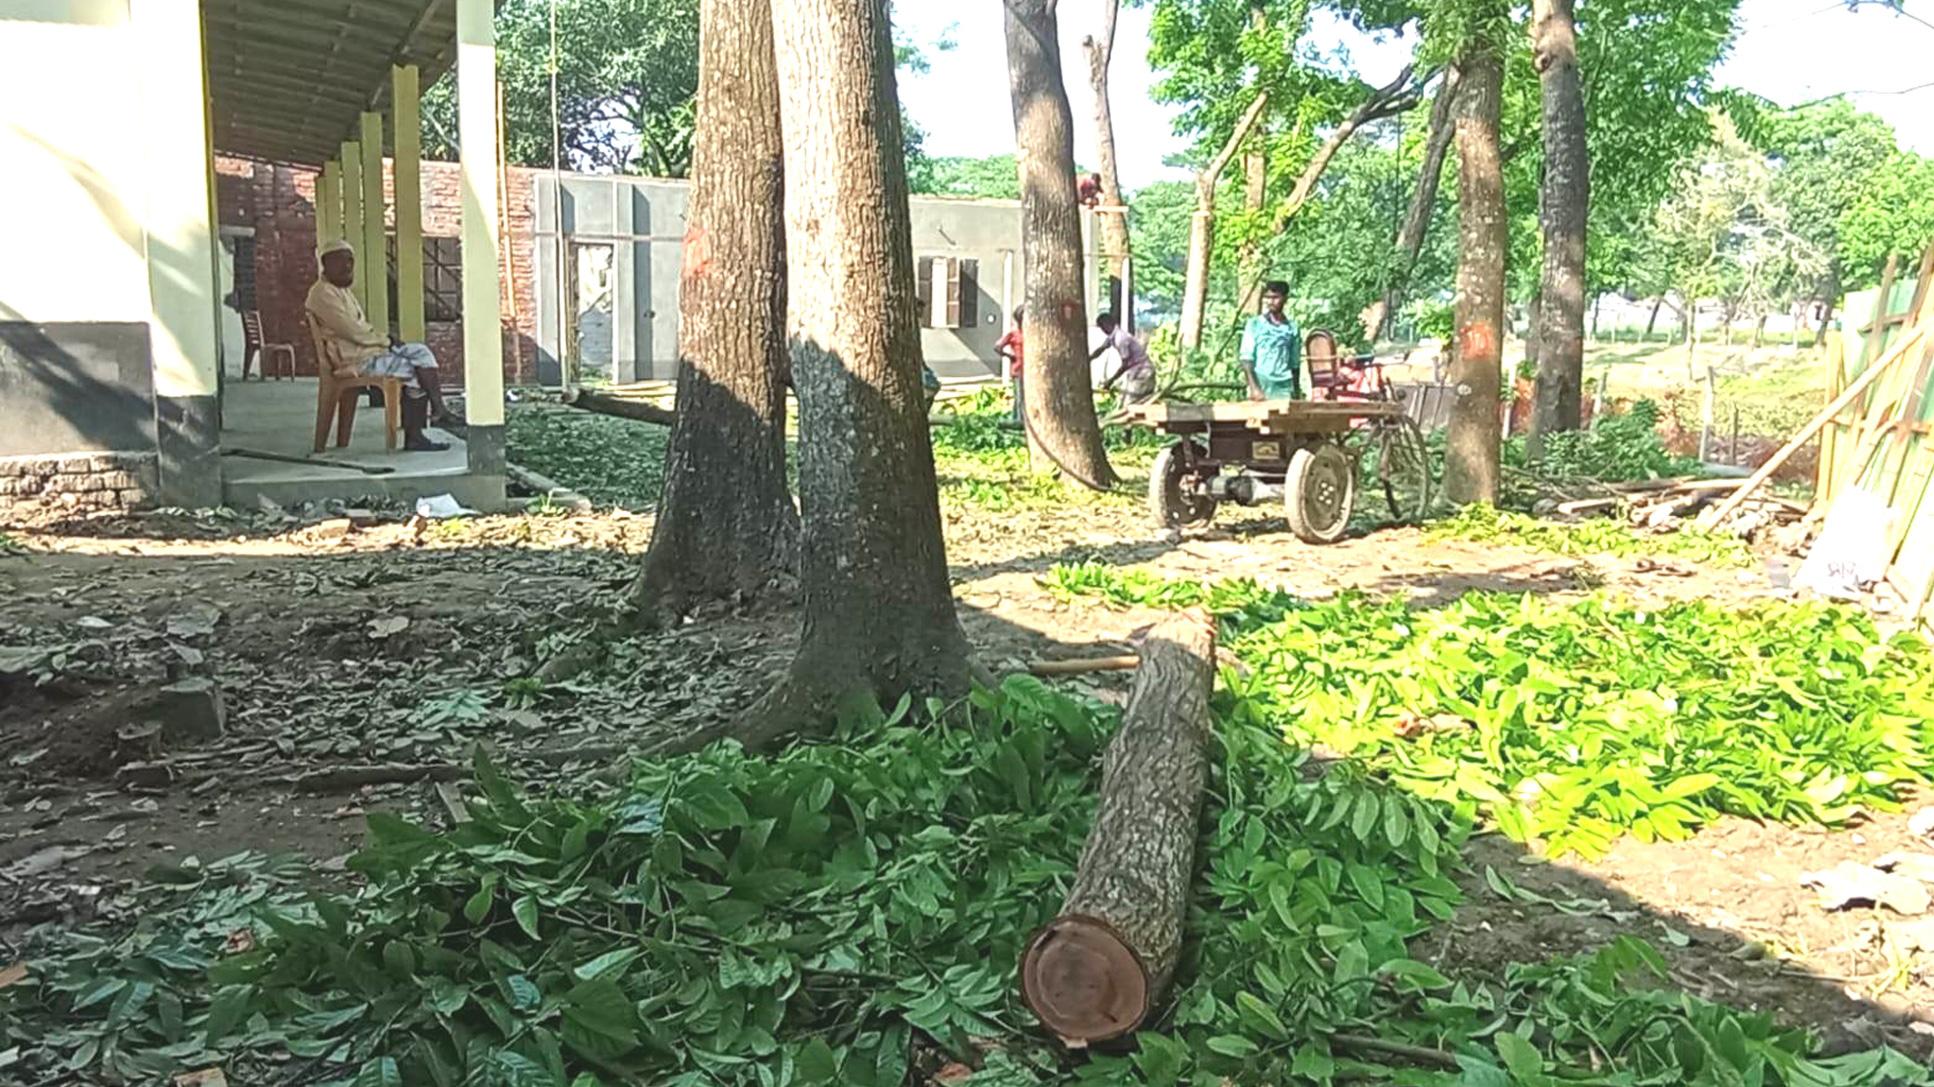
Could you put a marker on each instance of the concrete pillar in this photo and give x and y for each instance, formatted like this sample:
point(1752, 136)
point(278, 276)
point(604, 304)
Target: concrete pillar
point(483, 343)
point(184, 329)
point(406, 99)
point(372, 265)
point(352, 208)
point(329, 203)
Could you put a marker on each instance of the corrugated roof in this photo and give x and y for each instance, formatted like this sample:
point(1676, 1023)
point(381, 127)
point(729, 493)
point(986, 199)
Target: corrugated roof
point(288, 78)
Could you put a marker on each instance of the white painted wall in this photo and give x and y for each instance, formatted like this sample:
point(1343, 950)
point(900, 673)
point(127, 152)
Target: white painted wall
point(75, 163)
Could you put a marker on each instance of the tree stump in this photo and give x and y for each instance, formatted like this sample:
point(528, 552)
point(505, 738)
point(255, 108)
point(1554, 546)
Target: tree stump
point(1096, 971)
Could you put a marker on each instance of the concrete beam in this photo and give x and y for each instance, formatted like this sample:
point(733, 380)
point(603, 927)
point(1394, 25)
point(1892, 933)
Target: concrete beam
point(483, 342)
point(352, 204)
point(372, 265)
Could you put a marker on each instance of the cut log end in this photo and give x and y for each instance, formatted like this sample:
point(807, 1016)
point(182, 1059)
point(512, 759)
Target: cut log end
point(1084, 982)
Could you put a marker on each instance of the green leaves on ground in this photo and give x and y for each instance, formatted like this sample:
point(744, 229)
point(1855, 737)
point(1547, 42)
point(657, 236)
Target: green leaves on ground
point(1573, 723)
point(1595, 536)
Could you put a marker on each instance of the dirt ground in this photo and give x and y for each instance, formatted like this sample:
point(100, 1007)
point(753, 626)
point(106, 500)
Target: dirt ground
point(357, 666)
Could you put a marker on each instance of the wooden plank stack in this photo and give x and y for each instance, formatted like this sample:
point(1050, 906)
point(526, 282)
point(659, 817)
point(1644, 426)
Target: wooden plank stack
point(1882, 441)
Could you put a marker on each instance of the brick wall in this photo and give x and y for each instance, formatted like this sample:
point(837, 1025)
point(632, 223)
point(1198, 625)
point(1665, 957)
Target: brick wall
point(278, 202)
point(89, 481)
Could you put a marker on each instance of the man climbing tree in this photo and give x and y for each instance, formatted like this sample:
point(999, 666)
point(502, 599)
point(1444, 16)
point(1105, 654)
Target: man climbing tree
point(726, 524)
point(1471, 457)
point(879, 612)
point(1063, 431)
point(1564, 210)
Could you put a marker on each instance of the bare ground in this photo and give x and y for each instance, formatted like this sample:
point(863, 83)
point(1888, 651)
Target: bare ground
point(299, 625)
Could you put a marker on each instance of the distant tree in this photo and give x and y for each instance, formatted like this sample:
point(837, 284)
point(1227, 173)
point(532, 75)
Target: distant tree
point(1112, 224)
point(993, 177)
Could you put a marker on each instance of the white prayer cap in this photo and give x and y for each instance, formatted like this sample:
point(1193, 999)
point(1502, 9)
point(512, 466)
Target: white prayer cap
point(335, 245)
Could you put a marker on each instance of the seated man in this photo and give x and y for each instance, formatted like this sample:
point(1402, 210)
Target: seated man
point(367, 353)
point(1137, 371)
point(1271, 352)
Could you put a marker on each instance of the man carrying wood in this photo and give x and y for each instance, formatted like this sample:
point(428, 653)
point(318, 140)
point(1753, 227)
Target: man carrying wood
point(364, 352)
point(1137, 371)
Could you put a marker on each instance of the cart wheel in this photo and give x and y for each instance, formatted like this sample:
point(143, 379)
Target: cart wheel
point(1318, 492)
point(1397, 459)
point(1174, 494)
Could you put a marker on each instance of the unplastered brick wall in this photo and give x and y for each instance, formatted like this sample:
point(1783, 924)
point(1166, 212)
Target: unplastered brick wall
point(79, 480)
point(278, 203)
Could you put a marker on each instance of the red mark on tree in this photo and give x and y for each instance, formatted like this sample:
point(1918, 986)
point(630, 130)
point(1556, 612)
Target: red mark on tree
point(1478, 340)
point(1070, 311)
point(697, 257)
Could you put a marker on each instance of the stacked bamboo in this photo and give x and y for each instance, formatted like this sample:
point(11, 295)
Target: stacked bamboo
point(1877, 431)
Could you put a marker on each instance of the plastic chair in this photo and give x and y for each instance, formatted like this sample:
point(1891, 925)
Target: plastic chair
point(336, 389)
point(254, 346)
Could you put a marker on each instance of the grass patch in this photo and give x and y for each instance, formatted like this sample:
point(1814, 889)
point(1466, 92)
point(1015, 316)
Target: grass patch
point(1596, 536)
point(614, 462)
point(1570, 724)
point(982, 460)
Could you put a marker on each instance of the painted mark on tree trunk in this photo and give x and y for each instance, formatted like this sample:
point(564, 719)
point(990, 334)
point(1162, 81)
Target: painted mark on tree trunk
point(1477, 340)
point(697, 255)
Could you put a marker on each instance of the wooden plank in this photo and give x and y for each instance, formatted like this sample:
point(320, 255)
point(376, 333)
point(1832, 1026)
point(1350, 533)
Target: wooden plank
point(1824, 478)
point(1270, 414)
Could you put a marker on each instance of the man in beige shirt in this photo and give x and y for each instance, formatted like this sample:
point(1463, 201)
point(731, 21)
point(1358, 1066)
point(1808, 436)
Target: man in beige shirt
point(365, 352)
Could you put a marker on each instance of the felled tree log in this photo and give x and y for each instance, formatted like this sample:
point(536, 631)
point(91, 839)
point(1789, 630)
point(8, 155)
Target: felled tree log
point(1096, 971)
point(635, 410)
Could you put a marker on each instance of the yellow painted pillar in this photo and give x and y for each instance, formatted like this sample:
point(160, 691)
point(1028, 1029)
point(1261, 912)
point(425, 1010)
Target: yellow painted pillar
point(329, 203)
point(175, 205)
point(483, 344)
point(406, 99)
point(352, 207)
point(372, 267)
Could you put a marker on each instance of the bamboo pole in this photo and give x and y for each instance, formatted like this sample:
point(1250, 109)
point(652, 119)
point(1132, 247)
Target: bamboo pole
point(1720, 512)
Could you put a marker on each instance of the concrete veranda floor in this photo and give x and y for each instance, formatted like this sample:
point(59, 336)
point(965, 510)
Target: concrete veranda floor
point(280, 416)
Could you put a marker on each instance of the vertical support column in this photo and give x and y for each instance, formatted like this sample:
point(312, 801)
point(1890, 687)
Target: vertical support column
point(483, 343)
point(372, 267)
point(184, 331)
point(406, 99)
point(329, 203)
point(352, 209)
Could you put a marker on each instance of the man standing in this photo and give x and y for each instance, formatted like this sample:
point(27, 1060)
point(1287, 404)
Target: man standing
point(1137, 372)
point(363, 352)
point(1272, 349)
point(1014, 349)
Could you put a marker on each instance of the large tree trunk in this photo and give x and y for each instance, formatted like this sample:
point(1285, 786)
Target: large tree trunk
point(1471, 458)
point(1062, 427)
point(1093, 973)
point(1195, 279)
point(726, 524)
point(1113, 222)
point(879, 613)
point(1564, 211)
point(1423, 201)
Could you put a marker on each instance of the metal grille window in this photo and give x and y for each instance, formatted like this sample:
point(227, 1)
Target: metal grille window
point(442, 278)
point(949, 290)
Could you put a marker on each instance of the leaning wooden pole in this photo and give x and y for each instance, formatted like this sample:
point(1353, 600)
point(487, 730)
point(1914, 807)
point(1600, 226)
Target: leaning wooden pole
point(1095, 972)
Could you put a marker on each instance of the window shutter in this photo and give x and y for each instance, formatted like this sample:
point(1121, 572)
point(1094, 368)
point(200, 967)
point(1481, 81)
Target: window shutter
point(969, 294)
point(924, 291)
point(953, 293)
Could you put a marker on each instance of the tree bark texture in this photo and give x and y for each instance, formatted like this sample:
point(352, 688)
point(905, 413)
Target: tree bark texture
point(1113, 224)
point(879, 612)
point(726, 523)
point(1062, 428)
point(638, 411)
point(1195, 279)
point(1423, 201)
point(1095, 972)
point(1471, 457)
point(1563, 214)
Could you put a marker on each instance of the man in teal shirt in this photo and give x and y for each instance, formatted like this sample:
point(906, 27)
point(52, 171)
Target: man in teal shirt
point(1272, 349)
